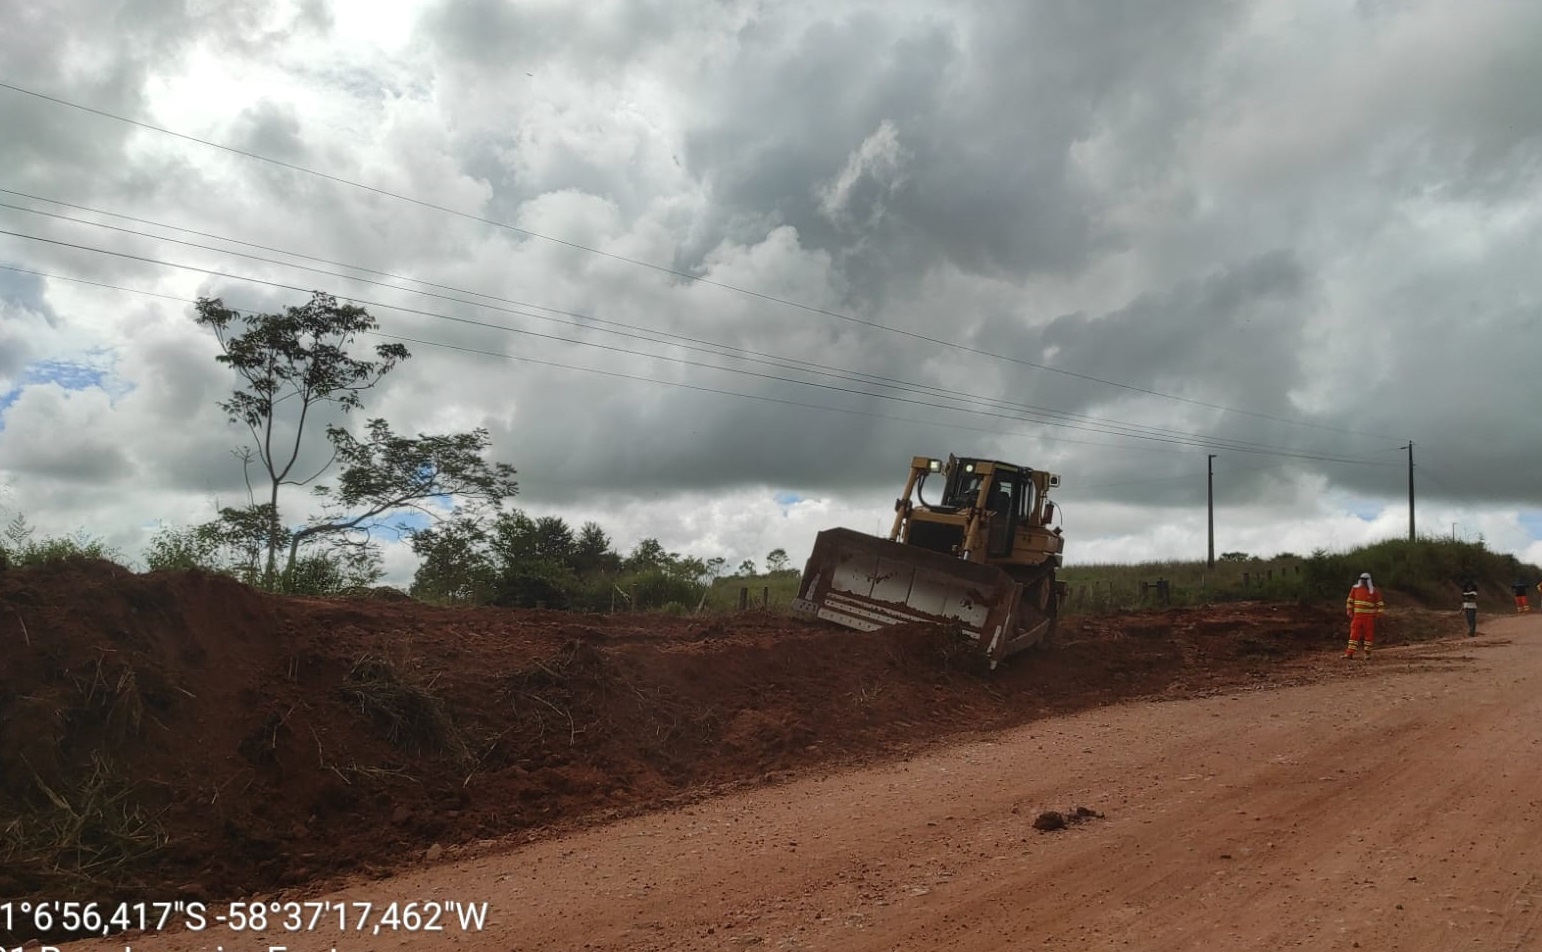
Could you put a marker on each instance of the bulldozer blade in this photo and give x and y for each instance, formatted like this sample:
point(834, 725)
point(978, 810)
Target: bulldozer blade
point(864, 582)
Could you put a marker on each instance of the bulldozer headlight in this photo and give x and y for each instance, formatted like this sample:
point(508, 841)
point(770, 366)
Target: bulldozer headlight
point(934, 465)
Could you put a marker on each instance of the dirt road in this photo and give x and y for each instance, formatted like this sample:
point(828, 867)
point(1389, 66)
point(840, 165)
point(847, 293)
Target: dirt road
point(1396, 808)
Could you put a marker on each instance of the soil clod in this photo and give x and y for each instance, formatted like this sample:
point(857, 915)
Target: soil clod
point(1051, 820)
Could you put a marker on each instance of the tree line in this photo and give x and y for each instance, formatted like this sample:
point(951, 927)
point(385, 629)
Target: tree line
point(297, 369)
point(512, 559)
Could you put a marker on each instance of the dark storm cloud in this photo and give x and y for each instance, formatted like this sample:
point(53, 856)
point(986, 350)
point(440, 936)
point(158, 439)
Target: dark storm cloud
point(1231, 338)
point(1467, 399)
point(664, 439)
point(1492, 123)
point(988, 110)
point(898, 144)
point(696, 443)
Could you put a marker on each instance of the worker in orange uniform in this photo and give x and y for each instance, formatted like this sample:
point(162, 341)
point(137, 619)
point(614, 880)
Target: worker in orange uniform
point(1362, 606)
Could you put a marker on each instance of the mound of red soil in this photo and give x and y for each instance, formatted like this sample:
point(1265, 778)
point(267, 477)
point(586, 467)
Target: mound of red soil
point(178, 735)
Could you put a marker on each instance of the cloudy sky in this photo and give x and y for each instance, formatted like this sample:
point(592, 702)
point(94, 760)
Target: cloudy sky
point(714, 270)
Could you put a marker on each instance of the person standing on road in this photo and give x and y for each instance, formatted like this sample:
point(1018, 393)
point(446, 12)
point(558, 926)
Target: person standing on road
point(1470, 606)
point(1519, 588)
point(1362, 606)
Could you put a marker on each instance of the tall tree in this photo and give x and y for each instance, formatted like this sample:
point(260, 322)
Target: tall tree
point(592, 552)
point(647, 554)
point(292, 364)
point(297, 363)
point(554, 539)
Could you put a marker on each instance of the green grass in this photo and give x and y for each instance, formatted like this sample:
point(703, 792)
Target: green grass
point(1111, 587)
point(775, 591)
point(1428, 572)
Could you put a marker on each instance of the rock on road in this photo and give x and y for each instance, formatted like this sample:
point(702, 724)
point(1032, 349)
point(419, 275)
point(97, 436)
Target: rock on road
point(1391, 808)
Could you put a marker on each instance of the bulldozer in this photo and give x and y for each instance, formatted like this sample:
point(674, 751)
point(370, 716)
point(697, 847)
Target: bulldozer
point(983, 556)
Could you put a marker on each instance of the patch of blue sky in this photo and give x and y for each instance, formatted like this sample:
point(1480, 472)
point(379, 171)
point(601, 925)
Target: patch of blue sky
point(1531, 521)
point(69, 374)
point(401, 523)
point(93, 371)
point(786, 499)
point(1364, 509)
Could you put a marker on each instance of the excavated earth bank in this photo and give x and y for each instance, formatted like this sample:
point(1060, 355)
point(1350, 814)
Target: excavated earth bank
point(178, 735)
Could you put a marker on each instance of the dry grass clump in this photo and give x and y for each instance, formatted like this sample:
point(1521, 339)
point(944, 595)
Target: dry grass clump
point(406, 705)
point(91, 834)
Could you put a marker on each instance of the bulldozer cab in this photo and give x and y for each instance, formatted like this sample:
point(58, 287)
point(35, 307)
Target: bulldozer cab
point(989, 511)
point(981, 552)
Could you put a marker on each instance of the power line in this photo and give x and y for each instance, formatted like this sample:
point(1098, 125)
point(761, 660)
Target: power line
point(1193, 441)
point(662, 268)
point(1424, 468)
point(557, 364)
point(611, 373)
point(647, 334)
point(1233, 471)
point(1112, 427)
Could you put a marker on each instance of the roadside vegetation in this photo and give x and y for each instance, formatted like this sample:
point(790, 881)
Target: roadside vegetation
point(1428, 571)
point(510, 559)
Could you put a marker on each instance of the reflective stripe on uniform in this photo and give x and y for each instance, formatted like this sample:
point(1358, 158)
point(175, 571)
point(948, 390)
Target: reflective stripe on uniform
point(1363, 602)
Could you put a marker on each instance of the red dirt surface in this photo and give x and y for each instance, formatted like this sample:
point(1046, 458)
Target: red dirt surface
point(199, 740)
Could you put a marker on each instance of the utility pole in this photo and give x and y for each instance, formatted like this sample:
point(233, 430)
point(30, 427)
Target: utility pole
point(1410, 493)
point(1210, 493)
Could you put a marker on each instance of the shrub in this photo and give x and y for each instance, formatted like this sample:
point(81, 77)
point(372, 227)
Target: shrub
point(22, 550)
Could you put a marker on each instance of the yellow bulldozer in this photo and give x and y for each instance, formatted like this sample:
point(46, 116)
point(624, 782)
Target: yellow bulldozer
point(983, 555)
